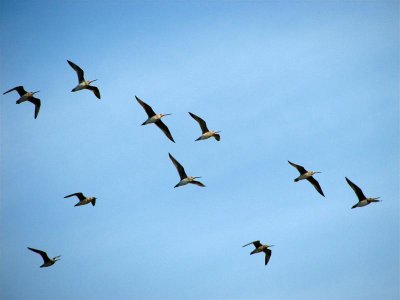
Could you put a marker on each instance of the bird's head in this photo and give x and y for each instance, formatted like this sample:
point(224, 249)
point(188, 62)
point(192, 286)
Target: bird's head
point(374, 199)
point(57, 258)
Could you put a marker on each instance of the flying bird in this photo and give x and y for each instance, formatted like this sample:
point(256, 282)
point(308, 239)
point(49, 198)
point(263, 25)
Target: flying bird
point(182, 174)
point(304, 174)
point(82, 199)
point(47, 262)
point(206, 133)
point(261, 248)
point(155, 118)
point(82, 83)
point(362, 200)
point(26, 96)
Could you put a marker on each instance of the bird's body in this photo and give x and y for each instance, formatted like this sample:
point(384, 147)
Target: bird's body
point(261, 248)
point(82, 83)
point(82, 199)
point(209, 134)
point(362, 200)
point(182, 174)
point(206, 133)
point(81, 86)
point(47, 262)
point(190, 179)
point(26, 96)
point(154, 118)
point(308, 175)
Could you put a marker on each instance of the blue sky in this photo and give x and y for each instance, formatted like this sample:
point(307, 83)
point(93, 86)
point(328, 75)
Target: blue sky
point(313, 82)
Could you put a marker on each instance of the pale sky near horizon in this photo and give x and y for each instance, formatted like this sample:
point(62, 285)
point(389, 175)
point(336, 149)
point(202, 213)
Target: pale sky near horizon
point(313, 82)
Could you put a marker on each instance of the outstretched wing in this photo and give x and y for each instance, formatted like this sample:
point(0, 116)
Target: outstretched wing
point(95, 90)
point(201, 122)
point(160, 124)
point(178, 166)
point(299, 168)
point(79, 195)
point(20, 89)
point(37, 104)
point(149, 111)
point(78, 71)
point(316, 185)
point(357, 190)
point(42, 254)
point(268, 254)
point(255, 243)
point(197, 183)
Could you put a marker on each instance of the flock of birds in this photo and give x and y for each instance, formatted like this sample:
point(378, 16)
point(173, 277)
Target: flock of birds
point(154, 118)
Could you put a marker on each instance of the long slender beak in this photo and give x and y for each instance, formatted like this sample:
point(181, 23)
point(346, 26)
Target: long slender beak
point(271, 245)
point(218, 131)
point(167, 114)
point(92, 81)
point(317, 172)
point(195, 177)
point(35, 92)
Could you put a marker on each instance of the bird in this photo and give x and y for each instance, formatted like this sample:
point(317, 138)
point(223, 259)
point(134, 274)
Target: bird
point(261, 248)
point(82, 83)
point(206, 133)
point(82, 199)
point(155, 118)
point(362, 200)
point(184, 178)
point(26, 96)
point(304, 174)
point(47, 262)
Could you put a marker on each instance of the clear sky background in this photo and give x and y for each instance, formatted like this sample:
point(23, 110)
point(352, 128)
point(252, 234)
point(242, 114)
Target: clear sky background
point(314, 82)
